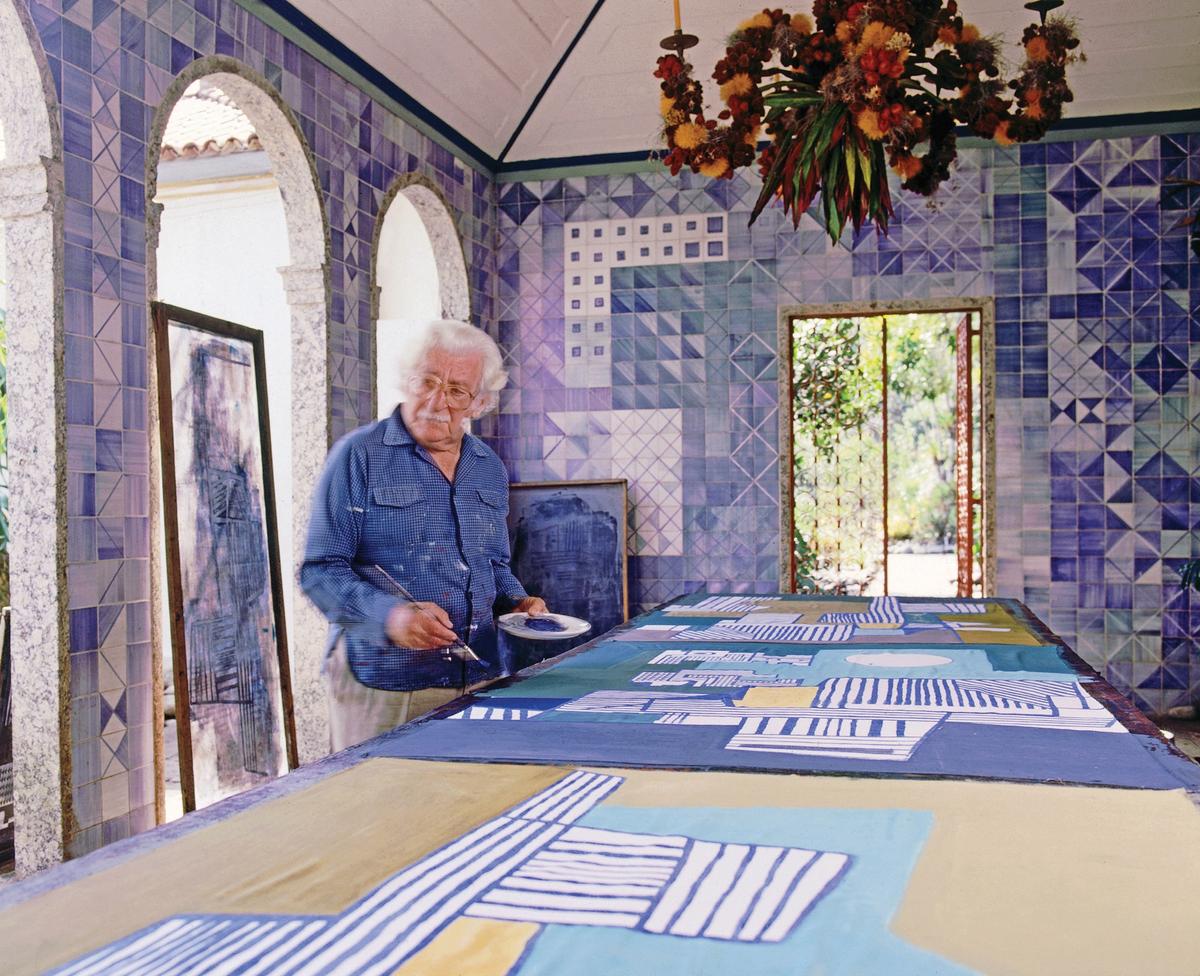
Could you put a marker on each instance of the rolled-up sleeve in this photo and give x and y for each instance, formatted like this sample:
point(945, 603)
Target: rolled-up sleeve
point(334, 530)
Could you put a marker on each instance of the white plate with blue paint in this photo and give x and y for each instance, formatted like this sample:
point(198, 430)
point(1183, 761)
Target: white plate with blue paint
point(543, 626)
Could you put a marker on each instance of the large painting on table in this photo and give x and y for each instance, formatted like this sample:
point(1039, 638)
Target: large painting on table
point(568, 547)
point(590, 872)
point(971, 688)
point(229, 642)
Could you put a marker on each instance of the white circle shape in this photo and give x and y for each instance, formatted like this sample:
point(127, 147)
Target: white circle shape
point(899, 659)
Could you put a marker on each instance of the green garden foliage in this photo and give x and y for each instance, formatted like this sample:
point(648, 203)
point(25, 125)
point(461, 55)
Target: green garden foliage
point(837, 370)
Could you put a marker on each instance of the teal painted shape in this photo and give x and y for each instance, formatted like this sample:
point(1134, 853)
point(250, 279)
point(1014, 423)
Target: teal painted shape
point(845, 934)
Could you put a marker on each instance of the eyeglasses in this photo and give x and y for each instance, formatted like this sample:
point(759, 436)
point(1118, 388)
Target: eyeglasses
point(424, 385)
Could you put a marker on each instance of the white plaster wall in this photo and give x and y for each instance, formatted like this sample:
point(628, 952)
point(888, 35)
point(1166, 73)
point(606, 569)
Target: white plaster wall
point(409, 292)
point(236, 232)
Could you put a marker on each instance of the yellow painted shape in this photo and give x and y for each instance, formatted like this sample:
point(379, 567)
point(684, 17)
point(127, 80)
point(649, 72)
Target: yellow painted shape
point(472, 947)
point(777, 698)
point(881, 625)
point(1015, 632)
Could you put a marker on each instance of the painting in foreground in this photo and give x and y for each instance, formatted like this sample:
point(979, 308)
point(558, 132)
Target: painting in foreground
point(571, 879)
point(232, 628)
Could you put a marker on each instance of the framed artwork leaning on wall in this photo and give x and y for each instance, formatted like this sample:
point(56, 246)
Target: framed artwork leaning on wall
point(568, 543)
point(228, 643)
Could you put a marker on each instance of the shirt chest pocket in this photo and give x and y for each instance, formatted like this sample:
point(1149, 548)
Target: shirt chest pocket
point(398, 514)
point(488, 511)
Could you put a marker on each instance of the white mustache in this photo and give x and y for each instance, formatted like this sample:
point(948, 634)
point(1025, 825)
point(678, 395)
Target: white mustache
point(439, 418)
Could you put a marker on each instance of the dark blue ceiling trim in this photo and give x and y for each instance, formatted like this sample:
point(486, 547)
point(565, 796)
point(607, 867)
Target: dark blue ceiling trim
point(537, 100)
point(556, 162)
point(1128, 119)
point(317, 33)
point(1114, 122)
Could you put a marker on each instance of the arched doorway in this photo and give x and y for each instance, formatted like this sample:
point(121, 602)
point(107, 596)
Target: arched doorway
point(418, 273)
point(30, 213)
point(300, 306)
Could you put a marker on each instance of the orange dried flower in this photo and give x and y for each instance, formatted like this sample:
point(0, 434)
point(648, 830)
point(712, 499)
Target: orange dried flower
point(665, 105)
point(1001, 135)
point(1037, 49)
point(690, 135)
point(758, 20)
point(948, 36)
point(739, 84)
point(801, 24)
point(868, 121)
point(752, 136)
point(875, 34)
point(714, 168)
point(969, 33)
point(908, 166)
point(844, 31)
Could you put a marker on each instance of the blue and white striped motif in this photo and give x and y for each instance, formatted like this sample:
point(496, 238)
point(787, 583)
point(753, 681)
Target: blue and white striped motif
point(587, 876)
point(713, 679)
point(722, 604)
point(528, 865)
point(495, 714)
point(731, 630)
point(182, 944)
point(844, 738)
point(568, 800)
point(883, 611)
point(948, 606)
point(946, 694)
point(743, 892)
point(701, 656)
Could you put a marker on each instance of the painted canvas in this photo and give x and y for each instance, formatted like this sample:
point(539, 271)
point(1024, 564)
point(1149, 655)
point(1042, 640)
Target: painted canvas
point(7, 822)
point(529, 870)
point(568, 547)
point(903, 688)
point(574, 878)
point(228, 633)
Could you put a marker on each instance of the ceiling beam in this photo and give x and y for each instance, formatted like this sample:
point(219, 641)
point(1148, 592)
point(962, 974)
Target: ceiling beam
point(537, 99)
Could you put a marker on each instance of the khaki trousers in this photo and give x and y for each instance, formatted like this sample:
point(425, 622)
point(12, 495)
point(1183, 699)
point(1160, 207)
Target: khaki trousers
point(358, 713)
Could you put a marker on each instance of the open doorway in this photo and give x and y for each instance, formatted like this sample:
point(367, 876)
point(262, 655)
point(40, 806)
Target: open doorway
point(888, 456)
point(418, 274)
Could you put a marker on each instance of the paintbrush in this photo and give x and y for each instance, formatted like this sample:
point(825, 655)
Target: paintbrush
point(458, 646)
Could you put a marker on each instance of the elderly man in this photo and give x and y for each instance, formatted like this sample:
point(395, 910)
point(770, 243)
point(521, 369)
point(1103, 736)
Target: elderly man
point(407, 551)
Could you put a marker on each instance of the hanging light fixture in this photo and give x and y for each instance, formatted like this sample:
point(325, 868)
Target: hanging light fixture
point(680, 42)
point(861, 86)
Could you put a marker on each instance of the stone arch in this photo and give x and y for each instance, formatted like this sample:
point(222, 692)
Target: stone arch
point(31, 196)
point(306, 286)
point(437, 217)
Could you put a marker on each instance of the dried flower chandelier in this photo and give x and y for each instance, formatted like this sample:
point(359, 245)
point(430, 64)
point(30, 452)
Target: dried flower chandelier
point(860, 86)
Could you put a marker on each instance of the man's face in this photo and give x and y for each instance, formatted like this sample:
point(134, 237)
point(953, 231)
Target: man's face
point(436, 407)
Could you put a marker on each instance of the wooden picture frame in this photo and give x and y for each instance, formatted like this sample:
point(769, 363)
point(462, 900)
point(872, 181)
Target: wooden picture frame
point(559, 533)
point(7, 809)
point(233, 695)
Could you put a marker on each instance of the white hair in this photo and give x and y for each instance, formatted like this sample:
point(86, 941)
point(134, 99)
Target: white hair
point(458, 339)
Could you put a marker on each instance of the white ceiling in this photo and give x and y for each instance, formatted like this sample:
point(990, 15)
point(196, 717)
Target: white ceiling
point(479, 66)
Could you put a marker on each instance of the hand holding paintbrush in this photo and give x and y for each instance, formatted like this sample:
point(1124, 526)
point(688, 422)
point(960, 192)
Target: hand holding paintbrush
point(430, 629)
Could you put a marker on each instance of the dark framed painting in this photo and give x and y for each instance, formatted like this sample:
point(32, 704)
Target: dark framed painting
point(568, 543)
point(233, 699)
point(7, 812)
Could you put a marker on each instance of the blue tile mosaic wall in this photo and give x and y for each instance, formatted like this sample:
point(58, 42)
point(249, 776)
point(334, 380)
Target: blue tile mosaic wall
point(112, 61)
point(1097, 375)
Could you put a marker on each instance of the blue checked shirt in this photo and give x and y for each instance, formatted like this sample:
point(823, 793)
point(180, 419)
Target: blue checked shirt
point(383, 501)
